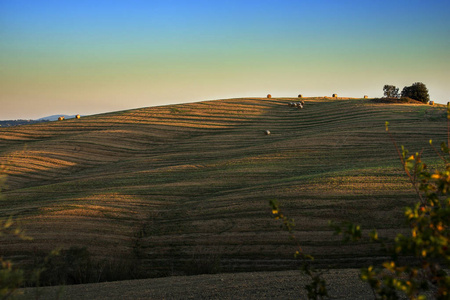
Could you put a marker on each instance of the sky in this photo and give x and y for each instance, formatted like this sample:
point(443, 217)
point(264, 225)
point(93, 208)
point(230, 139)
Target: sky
point(89, 57)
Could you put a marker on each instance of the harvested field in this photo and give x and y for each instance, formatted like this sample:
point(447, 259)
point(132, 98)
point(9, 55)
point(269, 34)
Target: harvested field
point(185, 188)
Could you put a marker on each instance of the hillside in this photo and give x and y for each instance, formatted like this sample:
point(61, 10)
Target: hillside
point(184, 189)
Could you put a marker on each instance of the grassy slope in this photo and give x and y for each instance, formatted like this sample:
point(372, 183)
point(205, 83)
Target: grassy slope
point(192, 182)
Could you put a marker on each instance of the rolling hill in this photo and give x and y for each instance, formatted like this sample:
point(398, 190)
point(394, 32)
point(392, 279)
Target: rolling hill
point(184, 189)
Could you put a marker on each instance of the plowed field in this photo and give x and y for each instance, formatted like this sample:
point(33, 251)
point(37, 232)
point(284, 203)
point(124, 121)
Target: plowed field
point(185, 188)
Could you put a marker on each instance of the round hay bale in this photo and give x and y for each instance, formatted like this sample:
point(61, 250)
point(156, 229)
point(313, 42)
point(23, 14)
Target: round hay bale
point(77, 116)
point(266, 132)
point(269, 96)
point(365, 96)
point(300, 96)
point(431, 102)
point(60, 118)
point(334, 95)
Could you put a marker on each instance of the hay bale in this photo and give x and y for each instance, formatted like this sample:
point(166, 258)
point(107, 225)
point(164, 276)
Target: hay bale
point(269, 96)
point(60, 118)
point(334, 95)
point(365, 96)
point(266, 132)
point(300, 96)
point(431, 102)
point(77, 116)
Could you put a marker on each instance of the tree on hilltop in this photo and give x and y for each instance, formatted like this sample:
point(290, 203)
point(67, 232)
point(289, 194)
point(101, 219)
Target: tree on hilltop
point(390, 91)
point(417, 91)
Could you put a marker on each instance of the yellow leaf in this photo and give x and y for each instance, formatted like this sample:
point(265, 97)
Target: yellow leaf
point(389, 265)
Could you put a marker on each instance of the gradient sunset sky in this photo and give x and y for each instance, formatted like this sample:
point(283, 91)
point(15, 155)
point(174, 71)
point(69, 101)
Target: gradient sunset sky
point(86, 57)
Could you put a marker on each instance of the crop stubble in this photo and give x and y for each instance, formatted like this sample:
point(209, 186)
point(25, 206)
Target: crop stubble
point(175, 185)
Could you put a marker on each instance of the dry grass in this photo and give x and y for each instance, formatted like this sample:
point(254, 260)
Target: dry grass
point(166, 183)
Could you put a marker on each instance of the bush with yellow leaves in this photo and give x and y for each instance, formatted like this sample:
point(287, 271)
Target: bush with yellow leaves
point(419, 262)
point(426, 249)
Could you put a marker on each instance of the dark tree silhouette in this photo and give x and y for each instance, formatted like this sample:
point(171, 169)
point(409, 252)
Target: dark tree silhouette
point(417, 91)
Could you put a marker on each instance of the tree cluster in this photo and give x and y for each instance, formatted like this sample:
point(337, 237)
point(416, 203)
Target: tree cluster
point(390, 91)
point(417, 91)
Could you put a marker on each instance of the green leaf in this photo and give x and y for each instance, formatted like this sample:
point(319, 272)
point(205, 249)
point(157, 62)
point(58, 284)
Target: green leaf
point(409, 165)
point(404, 152)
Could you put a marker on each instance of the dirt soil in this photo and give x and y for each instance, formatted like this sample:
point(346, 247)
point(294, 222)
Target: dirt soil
point(343, 284)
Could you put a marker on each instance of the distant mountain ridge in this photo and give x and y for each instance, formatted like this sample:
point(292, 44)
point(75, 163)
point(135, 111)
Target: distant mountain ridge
point(55, 117)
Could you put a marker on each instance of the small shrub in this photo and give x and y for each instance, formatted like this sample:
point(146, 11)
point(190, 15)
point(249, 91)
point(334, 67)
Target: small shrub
point(11, 278)
point(76, 266)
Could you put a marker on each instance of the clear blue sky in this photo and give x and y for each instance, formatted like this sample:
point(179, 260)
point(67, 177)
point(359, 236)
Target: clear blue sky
point(69, 57)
